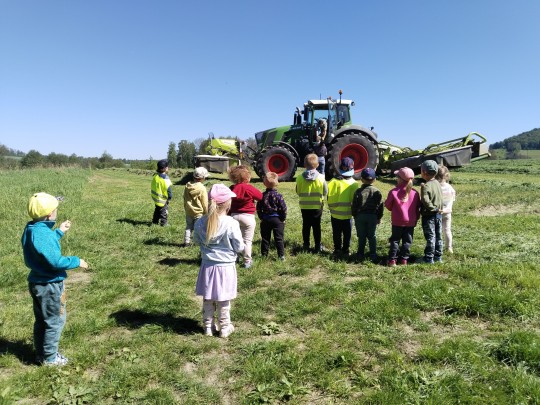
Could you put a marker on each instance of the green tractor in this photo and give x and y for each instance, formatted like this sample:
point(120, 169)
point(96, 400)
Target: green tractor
point(282, 149)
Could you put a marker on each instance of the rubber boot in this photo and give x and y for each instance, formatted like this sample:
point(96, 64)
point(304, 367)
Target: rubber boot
point(208, 316)
point(224, 313)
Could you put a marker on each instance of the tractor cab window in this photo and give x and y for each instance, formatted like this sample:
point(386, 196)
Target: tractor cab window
point(342, 114)
point(315, 115)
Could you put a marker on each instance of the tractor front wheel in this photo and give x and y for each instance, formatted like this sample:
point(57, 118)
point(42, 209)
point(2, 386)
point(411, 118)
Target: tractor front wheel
point(356, 146)
point(278, 160)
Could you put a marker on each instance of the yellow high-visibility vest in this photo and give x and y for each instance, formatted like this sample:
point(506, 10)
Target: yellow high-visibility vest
point(160, 195)
point(340, 196)
point(310, 192)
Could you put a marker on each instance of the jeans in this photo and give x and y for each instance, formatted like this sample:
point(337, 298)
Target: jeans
point(311, 219)
point(49, 301)
point(403, 234)
point(341, 234)
point(366, 225)
point(273, 224)
point(190, 226)
point(247, 227)
point(432, 227)
point(322, 164)
point(161, 215)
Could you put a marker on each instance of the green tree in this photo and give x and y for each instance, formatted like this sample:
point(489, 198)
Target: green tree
point(513, 150)
point(32, 159)
point(172, 156)
point(186, 153)
point(57, 160)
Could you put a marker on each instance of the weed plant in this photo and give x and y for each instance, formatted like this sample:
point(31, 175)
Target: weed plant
point(309, 330)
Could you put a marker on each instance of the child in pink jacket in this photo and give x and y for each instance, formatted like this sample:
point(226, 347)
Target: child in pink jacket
point(404, 203)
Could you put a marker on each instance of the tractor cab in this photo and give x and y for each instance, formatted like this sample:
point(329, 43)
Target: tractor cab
point(336, 113)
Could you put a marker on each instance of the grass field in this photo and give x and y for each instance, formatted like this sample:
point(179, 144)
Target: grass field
point(311, 330)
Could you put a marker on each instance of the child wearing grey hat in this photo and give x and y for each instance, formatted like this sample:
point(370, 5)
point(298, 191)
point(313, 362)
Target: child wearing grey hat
point(432, 204)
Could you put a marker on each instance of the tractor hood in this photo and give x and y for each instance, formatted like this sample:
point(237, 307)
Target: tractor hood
point(267, 137)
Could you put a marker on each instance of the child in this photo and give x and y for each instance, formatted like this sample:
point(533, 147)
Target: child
point(195, 201)
point(341, 190)
point(404, 203)
point(449, 196)
point(367, 209)
point(43, 256)
point(161, 193)
point(311, 189)
point(243, 206)
point(272, 212)
point(432, 203)
point(220, 239)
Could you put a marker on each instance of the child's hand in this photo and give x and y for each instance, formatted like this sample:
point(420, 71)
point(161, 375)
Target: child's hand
point(64, 226)
point(83, 264)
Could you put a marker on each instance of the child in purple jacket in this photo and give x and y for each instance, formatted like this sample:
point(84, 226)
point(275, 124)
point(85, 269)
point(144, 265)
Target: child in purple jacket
point(272, 211)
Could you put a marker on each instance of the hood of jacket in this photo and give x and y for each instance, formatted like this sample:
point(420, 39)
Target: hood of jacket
point(195, 190)
point(311, 175)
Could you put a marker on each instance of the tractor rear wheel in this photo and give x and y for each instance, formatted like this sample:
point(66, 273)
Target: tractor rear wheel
point(278, 160)
point(356, 146)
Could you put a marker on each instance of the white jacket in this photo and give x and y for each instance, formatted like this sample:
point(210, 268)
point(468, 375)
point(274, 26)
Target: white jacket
point(224, 246)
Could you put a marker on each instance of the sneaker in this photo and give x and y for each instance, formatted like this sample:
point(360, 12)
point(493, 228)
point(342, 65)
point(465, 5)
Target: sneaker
point(403, 261)
point(320, 249)
point(282, 258)
point(227, 331)
point(359, 258)
point(247, 265)
point(208, 332)
point(58, 361)
point(391, 263)
point(425, 260)
point(374, 259)
point(438, 259)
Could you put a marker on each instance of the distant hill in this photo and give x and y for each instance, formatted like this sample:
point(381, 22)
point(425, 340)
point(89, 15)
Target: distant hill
point(527, 140)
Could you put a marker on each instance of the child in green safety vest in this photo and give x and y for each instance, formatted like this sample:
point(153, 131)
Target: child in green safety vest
point(311, 189)
point(341, 190)
point(161, 193)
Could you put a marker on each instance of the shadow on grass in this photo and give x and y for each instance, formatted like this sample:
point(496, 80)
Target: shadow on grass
point(160, 241)
point(134, 222)
point(170, 261)
point(23, 351)
point(135, 319)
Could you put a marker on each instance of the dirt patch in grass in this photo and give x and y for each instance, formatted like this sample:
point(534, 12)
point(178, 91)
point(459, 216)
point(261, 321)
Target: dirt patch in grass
point(79, 277)
point(497, 210)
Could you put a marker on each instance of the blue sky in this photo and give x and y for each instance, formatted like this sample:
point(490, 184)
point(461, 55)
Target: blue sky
point(128, 77)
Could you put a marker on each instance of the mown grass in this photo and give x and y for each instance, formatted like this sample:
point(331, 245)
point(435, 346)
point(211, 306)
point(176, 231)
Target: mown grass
point(309, 330)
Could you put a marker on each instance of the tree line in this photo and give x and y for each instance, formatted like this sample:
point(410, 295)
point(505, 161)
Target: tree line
point(529, 140)
point(180, 155)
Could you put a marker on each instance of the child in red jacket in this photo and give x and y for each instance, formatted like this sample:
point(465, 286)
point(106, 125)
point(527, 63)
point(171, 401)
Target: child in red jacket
point(243, 206)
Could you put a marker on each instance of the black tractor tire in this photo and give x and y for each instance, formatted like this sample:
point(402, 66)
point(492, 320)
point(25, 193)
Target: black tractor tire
point(279, 160)
point(356, 146)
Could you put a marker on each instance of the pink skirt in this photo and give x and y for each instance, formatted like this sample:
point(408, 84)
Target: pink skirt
point(217, 282)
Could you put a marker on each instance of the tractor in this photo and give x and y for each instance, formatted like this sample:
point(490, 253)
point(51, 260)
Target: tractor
point(282, 149)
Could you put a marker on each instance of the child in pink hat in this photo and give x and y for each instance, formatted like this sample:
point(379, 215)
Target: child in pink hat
point(220, 240)
point(404, 203)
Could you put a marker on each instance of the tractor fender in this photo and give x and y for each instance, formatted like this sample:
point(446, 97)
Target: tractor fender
point(358, 129)
point(284, 145)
